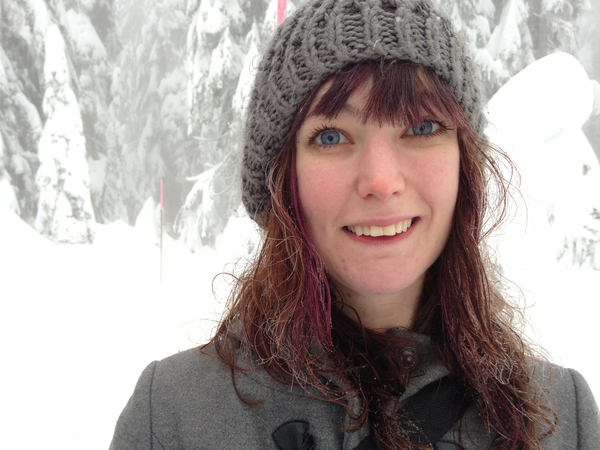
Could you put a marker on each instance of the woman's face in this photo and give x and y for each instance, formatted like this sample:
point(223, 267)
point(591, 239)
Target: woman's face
point(361, 184)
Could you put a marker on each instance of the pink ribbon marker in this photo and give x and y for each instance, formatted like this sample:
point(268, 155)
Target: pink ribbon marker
point(161, 195)
point(281, 7)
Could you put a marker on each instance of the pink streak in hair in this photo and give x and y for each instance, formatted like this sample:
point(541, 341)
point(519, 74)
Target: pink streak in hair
point(317, 282)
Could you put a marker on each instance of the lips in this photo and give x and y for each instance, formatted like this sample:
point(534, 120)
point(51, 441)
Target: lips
point(374, 231)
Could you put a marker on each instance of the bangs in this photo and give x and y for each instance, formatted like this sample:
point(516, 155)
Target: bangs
point(400, 93)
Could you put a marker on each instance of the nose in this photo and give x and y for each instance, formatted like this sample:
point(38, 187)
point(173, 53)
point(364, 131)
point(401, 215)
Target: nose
point(380, 170)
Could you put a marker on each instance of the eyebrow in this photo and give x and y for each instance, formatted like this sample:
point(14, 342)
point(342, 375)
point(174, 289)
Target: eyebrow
point(346, 109)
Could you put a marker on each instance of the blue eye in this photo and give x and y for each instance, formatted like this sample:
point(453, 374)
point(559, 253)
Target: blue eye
point(427, 127)
point(329, 137)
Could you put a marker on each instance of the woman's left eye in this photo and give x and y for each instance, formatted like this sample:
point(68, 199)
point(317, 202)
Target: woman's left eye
point(330, 137)
point(426, 128)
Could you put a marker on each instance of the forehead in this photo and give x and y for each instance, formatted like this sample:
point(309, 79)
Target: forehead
point(391, 92)
point(354, 103)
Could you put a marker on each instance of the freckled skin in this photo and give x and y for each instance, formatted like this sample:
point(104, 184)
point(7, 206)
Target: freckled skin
point(374, 175)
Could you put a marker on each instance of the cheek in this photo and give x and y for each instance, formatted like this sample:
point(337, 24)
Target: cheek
point(447, 189)
point(438, 178)
point(320, 190)
point(448, 176)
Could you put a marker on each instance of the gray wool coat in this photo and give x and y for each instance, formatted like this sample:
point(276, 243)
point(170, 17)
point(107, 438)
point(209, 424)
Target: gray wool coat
point(187, 401)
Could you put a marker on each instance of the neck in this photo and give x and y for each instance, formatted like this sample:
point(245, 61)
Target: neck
point(380, 312)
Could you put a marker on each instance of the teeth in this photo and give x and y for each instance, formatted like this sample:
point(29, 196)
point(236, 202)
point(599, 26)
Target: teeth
point(390, 230)
point(375, 231)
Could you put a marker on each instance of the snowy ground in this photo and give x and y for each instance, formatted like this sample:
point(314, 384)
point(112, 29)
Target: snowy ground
point(79, 323)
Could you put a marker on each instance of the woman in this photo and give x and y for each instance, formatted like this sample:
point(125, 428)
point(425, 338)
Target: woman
point(370, 318)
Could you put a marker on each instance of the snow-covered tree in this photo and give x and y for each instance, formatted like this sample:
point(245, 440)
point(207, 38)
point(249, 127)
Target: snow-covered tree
point(507, 36)
point(65, 211)
point(90, 61)
point(197, 212)
point(86, 26)
point(147, 134)
point(224, 42)
point(216, 50)
point(8, 199)
point(511, 42)
point(554, 25)
point(90, 78)
point(476, 19)
point(21, 68)
point(588, 52)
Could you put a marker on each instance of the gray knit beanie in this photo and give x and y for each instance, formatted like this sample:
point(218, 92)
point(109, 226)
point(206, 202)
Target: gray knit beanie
point(321, 38)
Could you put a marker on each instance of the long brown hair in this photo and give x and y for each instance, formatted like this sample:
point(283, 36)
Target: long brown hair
point(285, 312)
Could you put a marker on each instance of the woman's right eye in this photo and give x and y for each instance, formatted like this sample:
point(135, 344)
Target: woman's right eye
point(330, 137)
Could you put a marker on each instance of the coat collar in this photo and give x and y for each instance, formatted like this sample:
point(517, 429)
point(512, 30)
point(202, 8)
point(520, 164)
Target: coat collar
point(428, 365)
point(428, 369)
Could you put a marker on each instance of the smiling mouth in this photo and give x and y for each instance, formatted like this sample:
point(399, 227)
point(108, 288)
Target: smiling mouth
point(390, 230)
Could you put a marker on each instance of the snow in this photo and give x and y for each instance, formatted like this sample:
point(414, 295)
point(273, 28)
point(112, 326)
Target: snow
point(8, 199)
point(83, 34)
point(216, 15)
point(97, 169)
point(485, 8)
point(42, 18)
point(79, 322)
point(76, 339)
point(537, 117)
point(560, 172)
point(569, 104)
point(147, 223)
point(193, 222)
point(483, 58)
point(555, 6)
point(4, 61)
point(64, 207)
point(482, 25)
point(596, 89)
point(511, 37)
point(172, 83)
point(55, 65)
point(225, 62)
point(173, 110)
point(242, 92)
point(27, 108)
point(172, 113)
point(17, 106)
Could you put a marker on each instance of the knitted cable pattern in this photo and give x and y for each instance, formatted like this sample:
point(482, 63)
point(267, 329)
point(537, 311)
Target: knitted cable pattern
point(320, 39)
